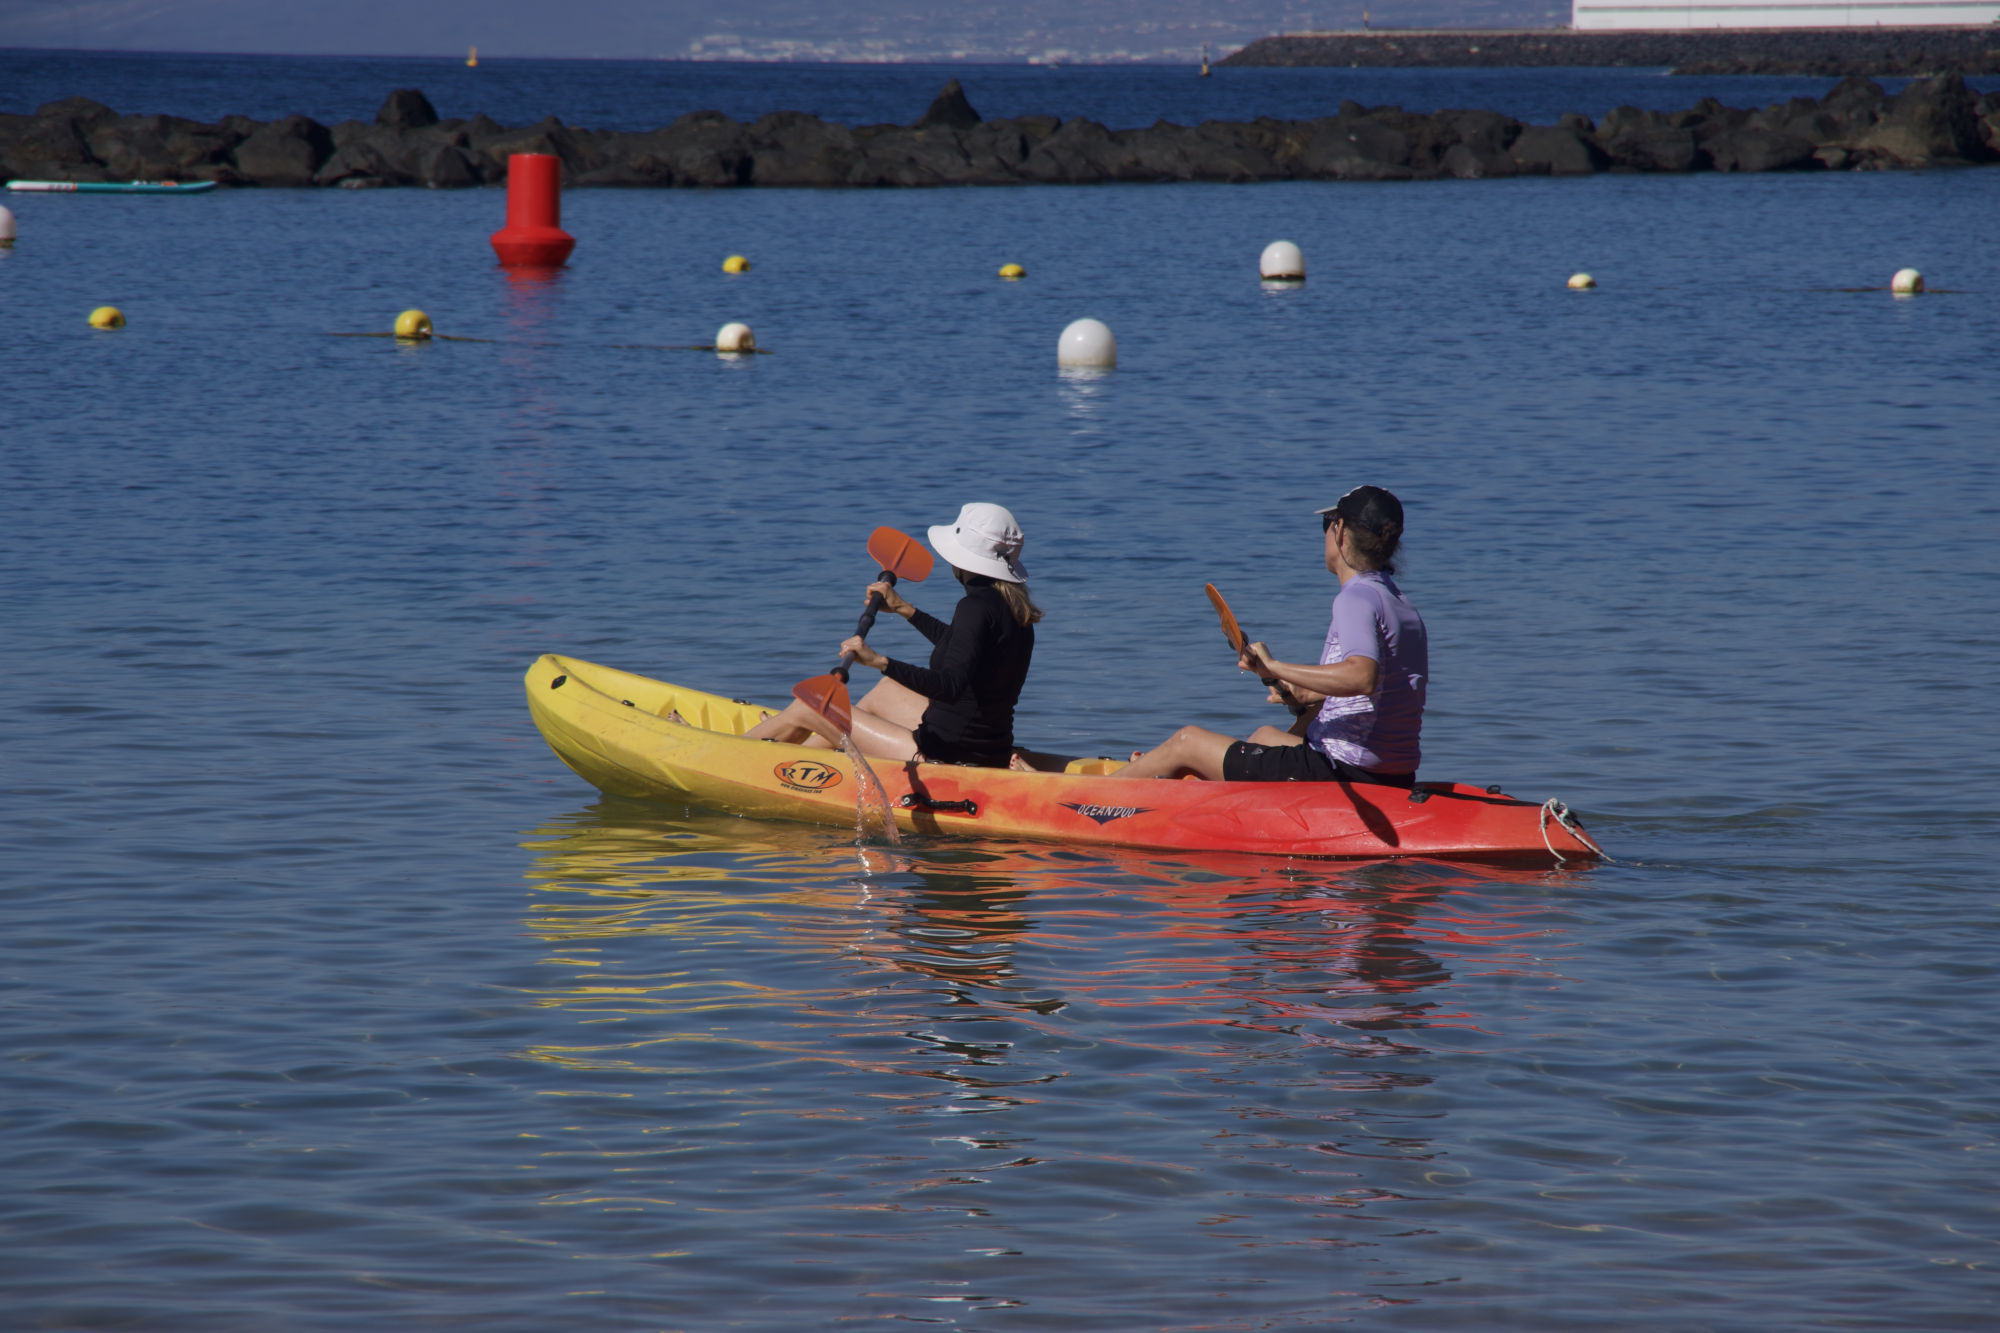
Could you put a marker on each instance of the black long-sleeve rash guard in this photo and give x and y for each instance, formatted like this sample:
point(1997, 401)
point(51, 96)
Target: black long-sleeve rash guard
point(977, 668)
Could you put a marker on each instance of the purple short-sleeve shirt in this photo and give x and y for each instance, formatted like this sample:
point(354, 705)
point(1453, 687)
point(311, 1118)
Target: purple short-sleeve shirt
point(1379, 731)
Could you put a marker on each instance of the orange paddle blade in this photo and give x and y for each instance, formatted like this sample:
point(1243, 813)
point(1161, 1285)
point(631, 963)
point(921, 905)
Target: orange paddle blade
point(900, 554)
point(827, 696)
point(1230, 629)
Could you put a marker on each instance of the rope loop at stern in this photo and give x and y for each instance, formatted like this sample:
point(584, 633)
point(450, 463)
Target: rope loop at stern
point(1556, 810)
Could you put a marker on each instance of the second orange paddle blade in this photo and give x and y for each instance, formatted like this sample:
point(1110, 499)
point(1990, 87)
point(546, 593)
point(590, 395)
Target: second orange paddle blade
point(1230, 629)
point(827, 696)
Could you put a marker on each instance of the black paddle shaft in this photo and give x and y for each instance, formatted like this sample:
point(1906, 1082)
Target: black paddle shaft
point(866, 623)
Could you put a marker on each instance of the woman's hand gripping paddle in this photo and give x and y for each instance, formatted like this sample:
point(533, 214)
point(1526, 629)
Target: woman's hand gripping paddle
point(900, 556)
point(1234, 633)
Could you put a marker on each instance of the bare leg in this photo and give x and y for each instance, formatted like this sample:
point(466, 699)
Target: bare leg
point(880, 738)
point(792, 725)
point(896, 703)
point(1195, 750)
point(1273, 736)
point(879, 728)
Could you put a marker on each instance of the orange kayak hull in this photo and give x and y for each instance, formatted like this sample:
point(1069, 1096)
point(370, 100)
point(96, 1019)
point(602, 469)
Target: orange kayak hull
point(630, 735)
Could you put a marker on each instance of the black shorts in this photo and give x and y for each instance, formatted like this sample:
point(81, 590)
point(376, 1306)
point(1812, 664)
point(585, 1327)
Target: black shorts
point(934, 749)
point(1244, 762)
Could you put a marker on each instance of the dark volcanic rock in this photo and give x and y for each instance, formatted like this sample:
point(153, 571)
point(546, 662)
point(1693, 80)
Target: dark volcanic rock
point(1467, 163)
point(1351, 147)
point(950, 109)
point(1932, 121)
point(53, 149)
point(163, 148)
point(792, 148)
point(1754, 148)
point(1855, 99)
point(997, 149)
point(1081, 152)
point(84, 113)
point(285, 152)
point(406, 109)
point(1636, 140)
point(355, 159)
point(702, 148)
point(896, 156)
point(550, 136)
point(1218, 150)
point(1555, 150)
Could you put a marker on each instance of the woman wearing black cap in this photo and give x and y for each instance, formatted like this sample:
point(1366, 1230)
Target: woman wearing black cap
point(1368, 684)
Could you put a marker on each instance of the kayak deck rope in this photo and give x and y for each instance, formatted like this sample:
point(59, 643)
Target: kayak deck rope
point(1556, 810)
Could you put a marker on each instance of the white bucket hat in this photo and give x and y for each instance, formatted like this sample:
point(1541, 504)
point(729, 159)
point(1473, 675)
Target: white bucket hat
point(984, 539)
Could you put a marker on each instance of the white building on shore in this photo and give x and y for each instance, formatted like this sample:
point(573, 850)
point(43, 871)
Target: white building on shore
point(1655, 15)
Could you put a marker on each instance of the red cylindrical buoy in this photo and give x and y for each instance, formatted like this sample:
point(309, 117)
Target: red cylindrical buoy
point(533, 236)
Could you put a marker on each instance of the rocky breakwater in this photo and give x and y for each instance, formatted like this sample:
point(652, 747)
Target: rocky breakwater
point(1828, 51)
point(1932, 122)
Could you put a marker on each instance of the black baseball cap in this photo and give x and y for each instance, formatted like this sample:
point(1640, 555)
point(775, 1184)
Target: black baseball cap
point(1368, 507)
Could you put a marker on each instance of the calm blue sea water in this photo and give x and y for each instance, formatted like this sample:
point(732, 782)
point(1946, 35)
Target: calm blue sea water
point(643, 94)
point(332, 1000)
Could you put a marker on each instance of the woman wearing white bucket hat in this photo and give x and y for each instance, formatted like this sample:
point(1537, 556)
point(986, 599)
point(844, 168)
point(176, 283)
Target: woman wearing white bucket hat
point(959, 709)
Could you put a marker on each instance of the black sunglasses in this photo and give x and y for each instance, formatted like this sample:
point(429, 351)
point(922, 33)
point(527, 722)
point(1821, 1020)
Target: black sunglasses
point(1327, 520)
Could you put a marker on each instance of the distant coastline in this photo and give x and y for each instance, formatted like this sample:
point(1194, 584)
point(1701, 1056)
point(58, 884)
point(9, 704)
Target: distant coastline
point(1831, 52)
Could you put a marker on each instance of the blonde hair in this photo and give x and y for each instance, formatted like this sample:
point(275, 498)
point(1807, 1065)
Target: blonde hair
point(1022, 606)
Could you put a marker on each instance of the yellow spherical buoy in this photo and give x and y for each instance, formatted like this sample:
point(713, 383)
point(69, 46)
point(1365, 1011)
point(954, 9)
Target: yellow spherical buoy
point(1907, 282)
point(733, 338)
point(413, 325)
point(1581, 282)
point(107, 317)
point(736, 264)
point(1011, 271)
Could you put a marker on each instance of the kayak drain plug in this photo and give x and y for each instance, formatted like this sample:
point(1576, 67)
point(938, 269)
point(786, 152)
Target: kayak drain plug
point(557, 683)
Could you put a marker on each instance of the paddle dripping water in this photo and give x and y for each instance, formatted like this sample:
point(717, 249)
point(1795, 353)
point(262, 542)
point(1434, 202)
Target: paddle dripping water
point(868, 793)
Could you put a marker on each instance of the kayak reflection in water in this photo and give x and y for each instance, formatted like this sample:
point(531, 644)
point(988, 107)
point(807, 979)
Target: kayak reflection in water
point(959, 709)
point(1369, 683)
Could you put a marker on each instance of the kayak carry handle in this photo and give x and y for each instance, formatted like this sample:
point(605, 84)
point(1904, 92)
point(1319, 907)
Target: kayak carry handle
point(913, 801)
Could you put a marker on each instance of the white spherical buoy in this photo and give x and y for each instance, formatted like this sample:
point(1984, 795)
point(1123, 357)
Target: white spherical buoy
point(1087, 344)
point(1581, 282)
point(1282, 262)
point(6, 226)
point(1907, 282)
point(735, 338)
